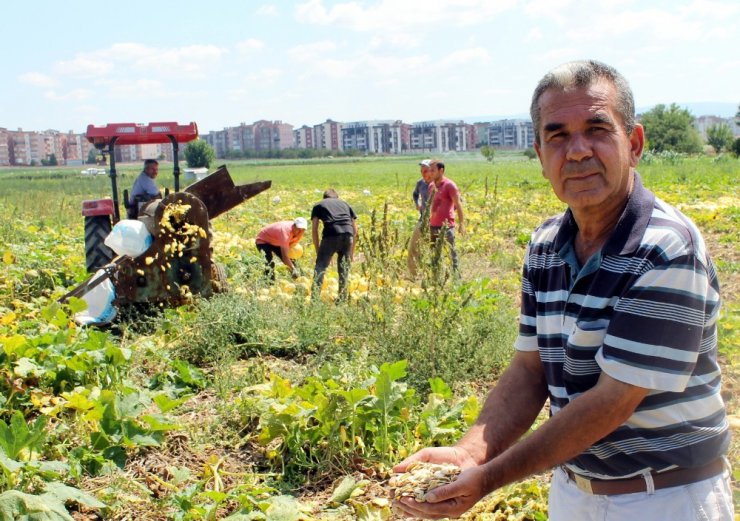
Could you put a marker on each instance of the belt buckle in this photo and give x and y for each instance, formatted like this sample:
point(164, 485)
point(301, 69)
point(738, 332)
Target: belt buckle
point(583, 484)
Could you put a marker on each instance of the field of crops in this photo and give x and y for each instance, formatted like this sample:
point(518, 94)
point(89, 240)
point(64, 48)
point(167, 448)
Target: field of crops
point(259, 403)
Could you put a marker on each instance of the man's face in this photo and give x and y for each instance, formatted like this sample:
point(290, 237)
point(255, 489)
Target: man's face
point(585, 152)
point(436, 173)
point(298, 232)
point(426, 174)
point(152, 170)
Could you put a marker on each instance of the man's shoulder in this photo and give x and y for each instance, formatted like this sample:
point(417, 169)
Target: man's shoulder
point(546, 232)
point(673, 233)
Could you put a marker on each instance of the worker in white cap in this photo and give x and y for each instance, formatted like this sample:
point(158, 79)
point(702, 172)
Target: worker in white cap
point(278, 239)
point(421, 198)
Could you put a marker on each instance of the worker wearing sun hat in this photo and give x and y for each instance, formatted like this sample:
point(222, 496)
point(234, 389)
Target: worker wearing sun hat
point(277, 239)
point(421, 198)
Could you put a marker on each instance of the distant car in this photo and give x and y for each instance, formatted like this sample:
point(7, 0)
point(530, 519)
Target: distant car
point(93, 171)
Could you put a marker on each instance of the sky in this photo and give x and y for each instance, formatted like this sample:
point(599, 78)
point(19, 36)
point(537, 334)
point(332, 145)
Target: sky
point(69, 64)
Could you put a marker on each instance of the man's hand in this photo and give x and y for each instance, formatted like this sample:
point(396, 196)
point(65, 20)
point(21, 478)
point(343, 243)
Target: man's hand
point(455, 455)
point(451, 500)
point(443, 500)
point(461, 228)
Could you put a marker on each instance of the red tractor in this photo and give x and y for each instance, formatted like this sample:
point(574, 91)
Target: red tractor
point(178, 262)
point(101, 214)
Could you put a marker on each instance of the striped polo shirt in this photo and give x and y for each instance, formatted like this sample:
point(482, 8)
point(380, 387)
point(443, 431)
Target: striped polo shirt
point(644, 311)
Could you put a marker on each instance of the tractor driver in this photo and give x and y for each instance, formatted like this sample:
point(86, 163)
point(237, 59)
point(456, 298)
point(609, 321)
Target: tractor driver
point(144, 189)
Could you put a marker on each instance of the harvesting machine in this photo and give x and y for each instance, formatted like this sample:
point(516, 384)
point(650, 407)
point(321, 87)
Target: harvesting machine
point(178, 263)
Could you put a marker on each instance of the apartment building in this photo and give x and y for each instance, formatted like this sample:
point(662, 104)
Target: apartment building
point(4, 155)
point(377, 137)
point(702, 123)
point(511, 133)
point(261, 135)
point(328, 135)
point(303, 137)
point(442, 136)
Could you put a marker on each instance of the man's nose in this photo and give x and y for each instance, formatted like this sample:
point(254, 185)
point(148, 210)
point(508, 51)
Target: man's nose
point(579, 147)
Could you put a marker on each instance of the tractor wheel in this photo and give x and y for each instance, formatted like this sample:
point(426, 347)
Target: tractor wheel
point(97, 254)
point(218, 278)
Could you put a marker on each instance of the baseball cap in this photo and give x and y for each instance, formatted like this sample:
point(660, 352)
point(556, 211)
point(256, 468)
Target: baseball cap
point(300, 223)
point(426, 162)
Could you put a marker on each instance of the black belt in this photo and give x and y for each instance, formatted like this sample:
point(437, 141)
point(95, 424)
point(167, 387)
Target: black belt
point(669, 478)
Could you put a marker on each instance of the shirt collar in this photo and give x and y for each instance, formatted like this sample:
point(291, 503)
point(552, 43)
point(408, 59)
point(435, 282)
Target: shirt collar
point(630, 228)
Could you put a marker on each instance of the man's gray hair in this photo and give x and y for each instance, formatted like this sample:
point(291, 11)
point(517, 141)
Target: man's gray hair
point(580, 74)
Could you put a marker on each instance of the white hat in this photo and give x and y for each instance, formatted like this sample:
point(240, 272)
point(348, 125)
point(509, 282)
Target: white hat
point(426, 162)
point(300, 223)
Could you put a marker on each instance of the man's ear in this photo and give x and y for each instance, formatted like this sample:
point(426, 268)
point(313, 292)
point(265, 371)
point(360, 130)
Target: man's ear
point(637, 143)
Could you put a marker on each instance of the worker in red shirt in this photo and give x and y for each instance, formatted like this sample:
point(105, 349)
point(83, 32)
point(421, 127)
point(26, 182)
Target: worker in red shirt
point(277, 239)
point(445, 197)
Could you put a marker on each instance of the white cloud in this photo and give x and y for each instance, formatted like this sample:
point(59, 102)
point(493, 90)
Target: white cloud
point(84, 66)
point(265, 76)
point(310, 51)
point(249, 46)
point(395, 41)
point(191, 61)
point(336, 68)
point(394, 15)
point(267, 10)
point(37, 79)
point(135, 89)
point(393, 66)
point(465, 56)
point(73, 95)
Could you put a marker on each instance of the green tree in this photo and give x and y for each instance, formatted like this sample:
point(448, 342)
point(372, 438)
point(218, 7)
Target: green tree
point(92, 157)
point(53, 160)
point(488, 152)
point(720, 136)
point(736, 148)
point(671, 129)
point(199, 154)
point(530, 153)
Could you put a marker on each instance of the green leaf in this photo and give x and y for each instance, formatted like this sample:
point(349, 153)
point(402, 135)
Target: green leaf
point(18, 436)
point(471, 410)
point(15, 505)
point(117, 455)
point(76, 304)
point(159, 423)
point(9, 464)
point(166, 404)
point(13, 345)
point(49, 313)
point(283, 508)
point(132, 404)
point(99, 440)
point(78, 401)
point(65, 493)
point(26, 367)
point(213, 495)
point(395, 371)
point(440, 387)
point(179, 474)
point(343, 491)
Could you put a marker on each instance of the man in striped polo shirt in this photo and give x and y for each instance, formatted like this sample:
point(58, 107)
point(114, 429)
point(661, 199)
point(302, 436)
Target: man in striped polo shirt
point(617, 329)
